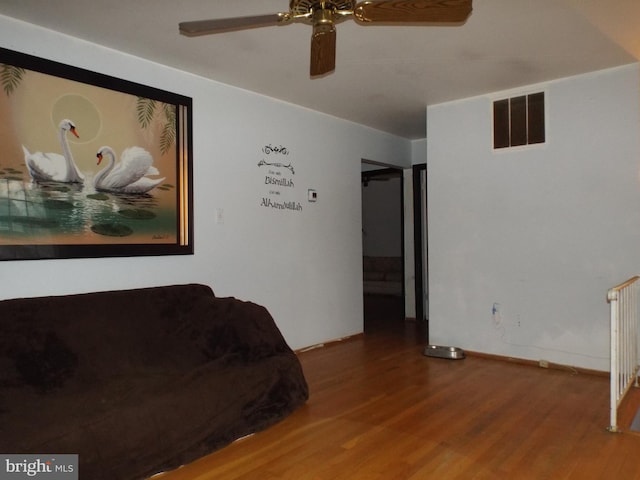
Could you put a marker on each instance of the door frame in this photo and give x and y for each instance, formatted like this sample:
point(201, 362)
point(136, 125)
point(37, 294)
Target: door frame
point(420, 255)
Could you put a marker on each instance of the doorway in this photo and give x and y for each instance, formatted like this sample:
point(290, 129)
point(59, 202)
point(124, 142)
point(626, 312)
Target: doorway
point(383, 247)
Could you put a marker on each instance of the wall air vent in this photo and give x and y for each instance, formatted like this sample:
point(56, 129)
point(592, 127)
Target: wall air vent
point(519, 121)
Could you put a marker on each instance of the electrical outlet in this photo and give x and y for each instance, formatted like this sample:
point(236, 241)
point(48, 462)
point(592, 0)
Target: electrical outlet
point(543, 364)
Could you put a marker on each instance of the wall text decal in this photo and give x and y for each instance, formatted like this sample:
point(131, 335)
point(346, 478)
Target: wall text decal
point(278, 179)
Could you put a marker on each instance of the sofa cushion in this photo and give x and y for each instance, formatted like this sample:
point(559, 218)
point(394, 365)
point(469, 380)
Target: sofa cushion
point(382, 275)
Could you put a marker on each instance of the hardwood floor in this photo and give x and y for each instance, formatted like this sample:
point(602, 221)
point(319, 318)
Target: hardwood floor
point(379, 409)
point(383, 312)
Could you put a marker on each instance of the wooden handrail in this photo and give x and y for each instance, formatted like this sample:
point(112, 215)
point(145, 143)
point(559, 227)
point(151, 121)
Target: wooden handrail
point(612, 294)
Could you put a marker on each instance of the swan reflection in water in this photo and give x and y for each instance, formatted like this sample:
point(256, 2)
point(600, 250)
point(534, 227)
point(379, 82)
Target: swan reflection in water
point(72, 210)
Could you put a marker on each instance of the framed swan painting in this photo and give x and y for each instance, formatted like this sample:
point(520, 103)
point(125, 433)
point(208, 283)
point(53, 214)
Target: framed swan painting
point(91, 165)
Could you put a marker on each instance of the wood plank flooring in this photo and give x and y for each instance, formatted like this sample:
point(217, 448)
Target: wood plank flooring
point(380, 410)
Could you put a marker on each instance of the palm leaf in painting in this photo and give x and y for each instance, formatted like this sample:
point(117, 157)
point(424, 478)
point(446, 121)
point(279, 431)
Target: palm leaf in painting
point(10, 77)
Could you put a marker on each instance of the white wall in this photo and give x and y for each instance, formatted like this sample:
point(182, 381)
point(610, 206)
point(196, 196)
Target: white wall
point(542, 231)
point(305, 267)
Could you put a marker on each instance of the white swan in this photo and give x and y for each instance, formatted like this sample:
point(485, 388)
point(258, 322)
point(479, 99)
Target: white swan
point(53, 167)
point(128, 175)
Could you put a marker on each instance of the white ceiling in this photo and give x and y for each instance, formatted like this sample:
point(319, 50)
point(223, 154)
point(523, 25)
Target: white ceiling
point(385, 75)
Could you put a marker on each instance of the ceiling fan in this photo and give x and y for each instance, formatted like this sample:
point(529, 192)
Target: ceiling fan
point(323, 15)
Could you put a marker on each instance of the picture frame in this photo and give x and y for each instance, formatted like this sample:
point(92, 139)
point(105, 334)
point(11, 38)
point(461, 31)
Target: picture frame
point(91, 165)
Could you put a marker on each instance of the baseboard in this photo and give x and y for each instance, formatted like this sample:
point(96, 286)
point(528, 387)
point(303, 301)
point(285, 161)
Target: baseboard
point(537, 364)
point(490, 356)
point(329, 343)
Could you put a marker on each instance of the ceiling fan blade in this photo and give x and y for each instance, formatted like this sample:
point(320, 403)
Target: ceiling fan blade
point(323, 49)
point(413, 11)
point(206, 27)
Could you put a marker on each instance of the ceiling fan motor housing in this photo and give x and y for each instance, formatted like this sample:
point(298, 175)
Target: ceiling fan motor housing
point(321, 12)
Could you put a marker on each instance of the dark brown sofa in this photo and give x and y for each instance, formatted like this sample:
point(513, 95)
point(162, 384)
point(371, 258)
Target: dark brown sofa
point(140, 381)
